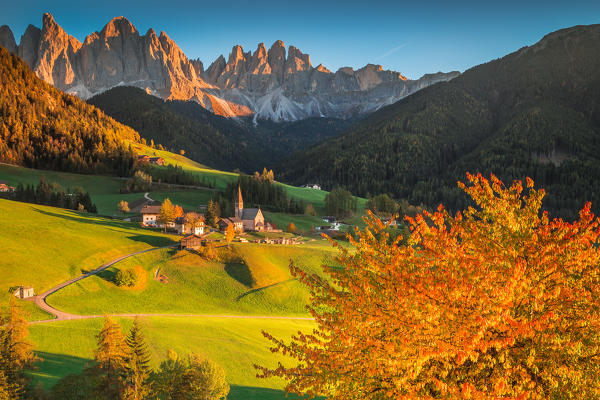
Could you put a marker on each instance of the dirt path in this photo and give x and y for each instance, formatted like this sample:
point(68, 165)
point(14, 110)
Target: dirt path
point(40, 300)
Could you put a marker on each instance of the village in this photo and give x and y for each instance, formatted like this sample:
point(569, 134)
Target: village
point(196, 232)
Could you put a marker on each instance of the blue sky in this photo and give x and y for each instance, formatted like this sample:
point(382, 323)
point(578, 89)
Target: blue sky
point(410, 37)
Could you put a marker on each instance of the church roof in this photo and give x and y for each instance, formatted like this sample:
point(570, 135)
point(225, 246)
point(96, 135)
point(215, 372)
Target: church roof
point(250, 213)
point(239, 199)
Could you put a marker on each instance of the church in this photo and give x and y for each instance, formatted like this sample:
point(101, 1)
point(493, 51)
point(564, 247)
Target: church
point(252, 218)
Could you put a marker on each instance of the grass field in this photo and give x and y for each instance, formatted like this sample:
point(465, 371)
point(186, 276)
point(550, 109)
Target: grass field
point(44, 246)
point(236, 344)
point(252, 279)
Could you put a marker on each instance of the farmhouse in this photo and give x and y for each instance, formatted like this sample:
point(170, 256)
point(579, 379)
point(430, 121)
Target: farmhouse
point(191, 242)
point(5, 188)
point(252, 218)
point(144, 158)
point(157, 160)
point(238, 225)
point(24, 292)
point(184, 228)
point(312, 186)
point(150, 215)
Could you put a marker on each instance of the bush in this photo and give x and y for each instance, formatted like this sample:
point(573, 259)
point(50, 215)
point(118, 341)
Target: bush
point(127, 277)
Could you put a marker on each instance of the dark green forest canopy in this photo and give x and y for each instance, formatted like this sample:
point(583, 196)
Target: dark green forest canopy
point(42, 127)
point(210, 139)
point(535, 112)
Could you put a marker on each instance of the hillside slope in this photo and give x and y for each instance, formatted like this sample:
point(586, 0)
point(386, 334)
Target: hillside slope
point(41, 127)
point(155, 119)
point(535, 112)
point(211, 139)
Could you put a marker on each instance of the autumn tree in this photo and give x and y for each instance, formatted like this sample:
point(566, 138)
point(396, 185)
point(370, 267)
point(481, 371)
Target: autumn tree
point(498, 301)
point(123, 206)
point(291, 228)
point(16, 352)
point(137, 366)
point(167, 213)
point(194, 220)
point(191, 378)
point(111, 357)
point(178, 211)
point(310, 210)
point(229, 233)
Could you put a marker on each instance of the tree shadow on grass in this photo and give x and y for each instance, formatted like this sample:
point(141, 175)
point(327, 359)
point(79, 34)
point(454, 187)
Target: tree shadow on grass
point(52, 367)
point(108, 275)
point(115, 225)
point(258, 393)
point(241, 273)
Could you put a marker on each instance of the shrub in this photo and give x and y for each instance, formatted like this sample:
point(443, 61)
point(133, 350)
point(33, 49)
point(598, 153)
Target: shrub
point(127, 277)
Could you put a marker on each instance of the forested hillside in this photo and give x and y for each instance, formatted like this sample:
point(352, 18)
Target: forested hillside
point(156, 120)
point(42, 127)
point(210, 139)
point(535, 112)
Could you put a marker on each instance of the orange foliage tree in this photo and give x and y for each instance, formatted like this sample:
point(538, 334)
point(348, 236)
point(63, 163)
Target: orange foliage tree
point(497, 301)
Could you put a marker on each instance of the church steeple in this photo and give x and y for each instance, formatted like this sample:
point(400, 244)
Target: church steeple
point(239, 204)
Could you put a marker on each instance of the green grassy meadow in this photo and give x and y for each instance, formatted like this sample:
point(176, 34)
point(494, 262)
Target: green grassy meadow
point(236, 344)
point(251, 279)
point(44, 246)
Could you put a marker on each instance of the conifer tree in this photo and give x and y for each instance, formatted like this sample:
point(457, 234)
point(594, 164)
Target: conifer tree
point(138, 364)
point(111, 356)
point(16, 352)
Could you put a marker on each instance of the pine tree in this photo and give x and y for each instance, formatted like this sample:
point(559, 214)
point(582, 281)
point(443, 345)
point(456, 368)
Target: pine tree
point(138, 364)
point(16, 352)
point(111, 356)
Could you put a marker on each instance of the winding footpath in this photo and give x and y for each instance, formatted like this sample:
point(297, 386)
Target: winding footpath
point(40, 300)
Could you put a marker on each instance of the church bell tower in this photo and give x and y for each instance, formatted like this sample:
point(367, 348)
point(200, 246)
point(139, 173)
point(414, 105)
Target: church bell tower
point(239, 204)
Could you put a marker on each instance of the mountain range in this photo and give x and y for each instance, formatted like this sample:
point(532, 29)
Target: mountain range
point(534, 112)
point(278, 84)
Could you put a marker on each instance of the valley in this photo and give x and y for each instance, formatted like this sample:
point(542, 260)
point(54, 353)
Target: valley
point(258, 228)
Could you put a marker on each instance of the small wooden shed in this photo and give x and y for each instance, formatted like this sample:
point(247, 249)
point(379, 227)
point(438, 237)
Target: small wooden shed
point(24, 292)
point(191, 242)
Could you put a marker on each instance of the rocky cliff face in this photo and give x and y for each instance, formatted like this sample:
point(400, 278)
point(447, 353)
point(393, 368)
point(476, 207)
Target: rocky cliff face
point(277, 84)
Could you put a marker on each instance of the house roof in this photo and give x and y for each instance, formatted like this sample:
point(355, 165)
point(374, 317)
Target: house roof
point(150, 210)
point(250, 213)
point(155, 158)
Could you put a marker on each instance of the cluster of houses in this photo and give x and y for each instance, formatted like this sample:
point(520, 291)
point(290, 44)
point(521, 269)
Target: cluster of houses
point(144, 158)
point(4, 188)
point(312, 186)
point(245, 219)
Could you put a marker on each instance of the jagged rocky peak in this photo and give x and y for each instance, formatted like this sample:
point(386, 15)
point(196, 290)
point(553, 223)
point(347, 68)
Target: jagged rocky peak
point(198, 65)
point(118, 26)
point(322, 68)
point(29, 45)
point(297, 61)
point(7, 39)
point(215, 69)
point(277, 84)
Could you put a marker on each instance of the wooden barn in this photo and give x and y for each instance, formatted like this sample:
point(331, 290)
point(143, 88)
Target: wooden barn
point(191, 242)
